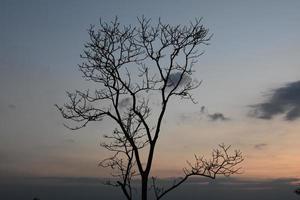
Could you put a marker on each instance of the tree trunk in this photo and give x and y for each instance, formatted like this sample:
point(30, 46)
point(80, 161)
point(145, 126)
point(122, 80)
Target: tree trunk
point(144, 187)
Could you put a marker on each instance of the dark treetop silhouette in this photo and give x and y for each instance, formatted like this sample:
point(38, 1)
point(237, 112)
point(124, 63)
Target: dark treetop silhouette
point(134, 65)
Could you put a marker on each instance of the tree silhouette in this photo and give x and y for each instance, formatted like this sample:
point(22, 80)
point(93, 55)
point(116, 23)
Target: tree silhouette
point(134, 67)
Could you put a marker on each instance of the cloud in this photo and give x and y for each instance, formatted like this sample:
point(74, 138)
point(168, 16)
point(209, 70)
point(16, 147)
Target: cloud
point(202, 109)
point(217, 116)
point(124, 102)
point(71, 180)
point(77, 188)
point(186, 117)
point(260, 146)
point(202, 114)
point(12, 106)
point(175, 77)
point(284, 100)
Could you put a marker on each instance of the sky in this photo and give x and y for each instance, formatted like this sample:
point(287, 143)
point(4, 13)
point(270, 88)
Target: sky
point(250, 90)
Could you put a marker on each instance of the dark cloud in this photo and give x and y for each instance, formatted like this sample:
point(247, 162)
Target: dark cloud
point(70, 180)
point(217, 117)
point(202, 114)
point(202, 109)
point(195, 188)
point(213, 117)
point(284, 100)
point(260, 146)
point(124, 102)
point(12, 106)
point(175, 77)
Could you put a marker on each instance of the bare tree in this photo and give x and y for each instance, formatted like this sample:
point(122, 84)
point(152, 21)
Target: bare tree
point(133, 66)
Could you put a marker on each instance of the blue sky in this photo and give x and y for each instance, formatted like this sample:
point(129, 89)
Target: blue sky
point(254, 50)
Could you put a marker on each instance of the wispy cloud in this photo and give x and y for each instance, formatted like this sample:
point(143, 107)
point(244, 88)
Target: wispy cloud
point(12, 106)
point(124, 102)
point(283, 100)
point(217, 117)
point(260, 146)
point(175, 78)
point(203, 114)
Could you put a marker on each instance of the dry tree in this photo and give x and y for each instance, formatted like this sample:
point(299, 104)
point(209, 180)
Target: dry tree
point(132, 66)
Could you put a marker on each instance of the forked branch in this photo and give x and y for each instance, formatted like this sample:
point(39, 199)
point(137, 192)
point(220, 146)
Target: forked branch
point(222, 162)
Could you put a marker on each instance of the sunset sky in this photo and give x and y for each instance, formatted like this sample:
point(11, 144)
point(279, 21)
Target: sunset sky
point(250, 90)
